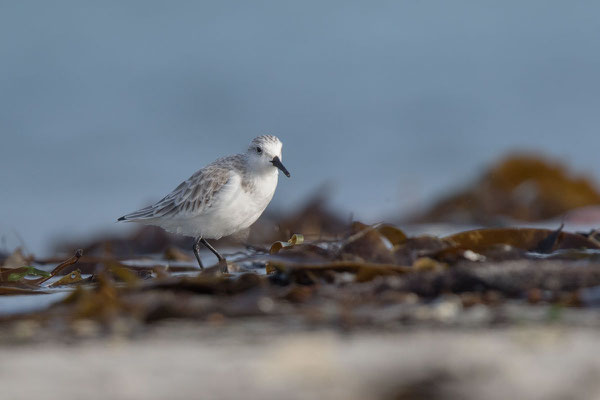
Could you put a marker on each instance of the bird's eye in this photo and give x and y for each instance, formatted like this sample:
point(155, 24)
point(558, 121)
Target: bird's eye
point(258, 150)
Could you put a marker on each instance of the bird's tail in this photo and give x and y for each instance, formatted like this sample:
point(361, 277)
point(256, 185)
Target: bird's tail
point(144, 213)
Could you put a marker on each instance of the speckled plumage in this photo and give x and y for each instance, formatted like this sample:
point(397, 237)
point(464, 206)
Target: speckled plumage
point(197, 193)
point(220, 199)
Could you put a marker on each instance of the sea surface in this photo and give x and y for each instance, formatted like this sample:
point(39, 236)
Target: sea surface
point(383, 105)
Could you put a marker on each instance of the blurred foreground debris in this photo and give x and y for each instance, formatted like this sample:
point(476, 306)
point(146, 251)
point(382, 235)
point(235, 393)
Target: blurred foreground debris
point(372, 275)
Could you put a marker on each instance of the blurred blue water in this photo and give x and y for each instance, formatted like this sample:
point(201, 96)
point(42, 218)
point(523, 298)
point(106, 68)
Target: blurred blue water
point(107, 106)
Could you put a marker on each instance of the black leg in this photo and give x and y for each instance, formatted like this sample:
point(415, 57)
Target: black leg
point(215, 252)
point(196, 249)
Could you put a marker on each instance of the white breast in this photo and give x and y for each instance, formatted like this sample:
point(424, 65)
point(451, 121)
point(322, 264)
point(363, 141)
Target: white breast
point(237, 209)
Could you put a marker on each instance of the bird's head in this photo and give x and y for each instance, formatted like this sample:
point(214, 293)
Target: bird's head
point(264, 154)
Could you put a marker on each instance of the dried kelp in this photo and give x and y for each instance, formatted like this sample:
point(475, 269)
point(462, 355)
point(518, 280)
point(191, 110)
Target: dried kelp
point(522, 187)
point(366, 275)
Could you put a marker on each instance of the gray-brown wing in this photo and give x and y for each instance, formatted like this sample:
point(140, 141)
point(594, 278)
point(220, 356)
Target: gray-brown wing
point(193, 196)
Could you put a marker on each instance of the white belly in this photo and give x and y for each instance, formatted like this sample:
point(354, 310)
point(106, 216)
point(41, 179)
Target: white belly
point(234, 212)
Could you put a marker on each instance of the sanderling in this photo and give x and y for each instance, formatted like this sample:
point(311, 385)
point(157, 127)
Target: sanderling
point(222, 198)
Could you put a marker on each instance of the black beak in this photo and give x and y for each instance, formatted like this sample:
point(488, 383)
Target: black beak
point(277, 163)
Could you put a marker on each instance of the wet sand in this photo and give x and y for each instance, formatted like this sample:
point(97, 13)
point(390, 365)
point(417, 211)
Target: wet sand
point(264, 361)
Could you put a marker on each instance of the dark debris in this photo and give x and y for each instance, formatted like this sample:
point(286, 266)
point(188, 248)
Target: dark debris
point(368, 276)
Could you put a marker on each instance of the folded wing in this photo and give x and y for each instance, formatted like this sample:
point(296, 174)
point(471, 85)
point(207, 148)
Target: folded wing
point(192, 197)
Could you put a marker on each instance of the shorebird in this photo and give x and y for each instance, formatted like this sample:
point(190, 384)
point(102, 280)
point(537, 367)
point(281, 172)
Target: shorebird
point(225, 197)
